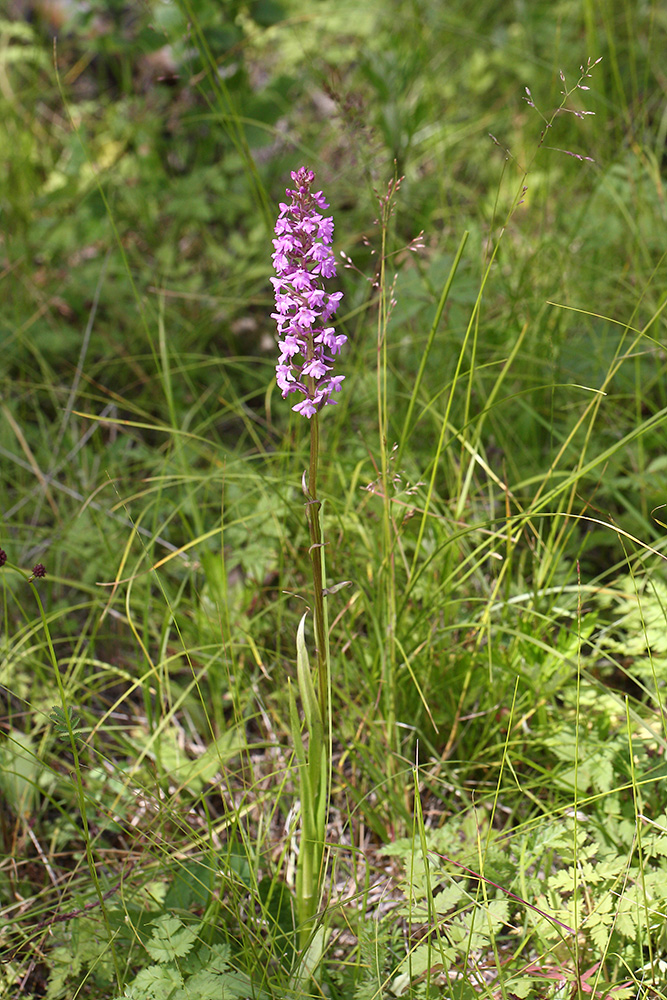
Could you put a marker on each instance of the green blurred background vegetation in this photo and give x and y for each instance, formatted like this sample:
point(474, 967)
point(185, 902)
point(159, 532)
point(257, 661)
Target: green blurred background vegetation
point(147, 460)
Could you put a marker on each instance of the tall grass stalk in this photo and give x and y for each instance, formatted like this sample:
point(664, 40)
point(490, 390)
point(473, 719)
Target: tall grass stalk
point(387, 568)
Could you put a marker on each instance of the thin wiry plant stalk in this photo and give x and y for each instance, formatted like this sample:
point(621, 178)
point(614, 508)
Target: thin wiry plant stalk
point(387, 568)
point(80, 791)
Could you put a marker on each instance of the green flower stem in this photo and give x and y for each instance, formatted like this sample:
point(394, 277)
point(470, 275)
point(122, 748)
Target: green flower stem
point(313, 509)
point(314, 759)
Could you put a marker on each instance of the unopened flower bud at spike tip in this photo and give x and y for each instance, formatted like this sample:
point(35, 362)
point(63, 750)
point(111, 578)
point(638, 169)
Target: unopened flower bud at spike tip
point(3, 557)
point(39, 570)
point(302, 260)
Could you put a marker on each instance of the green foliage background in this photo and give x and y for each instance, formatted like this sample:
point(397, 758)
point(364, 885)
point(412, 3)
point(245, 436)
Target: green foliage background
point(510, 622)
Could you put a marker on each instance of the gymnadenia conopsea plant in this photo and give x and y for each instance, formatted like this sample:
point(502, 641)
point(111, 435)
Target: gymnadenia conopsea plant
point(308, 344)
